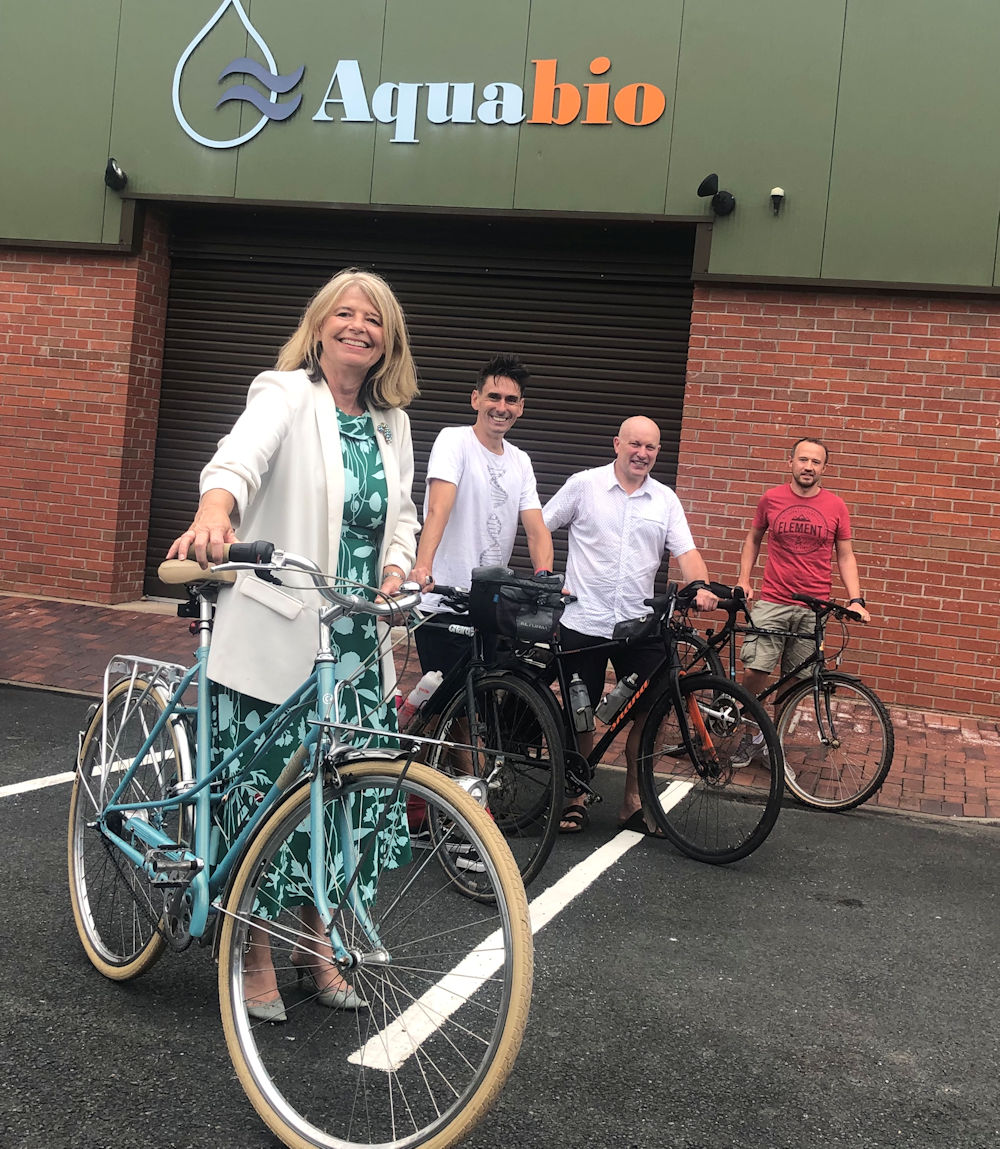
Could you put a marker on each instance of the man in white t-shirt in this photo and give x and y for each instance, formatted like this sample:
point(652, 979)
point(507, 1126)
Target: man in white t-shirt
point(621, 521)
point(478, 486)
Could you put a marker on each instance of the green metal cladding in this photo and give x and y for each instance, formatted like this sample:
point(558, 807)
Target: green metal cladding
point(880, 120)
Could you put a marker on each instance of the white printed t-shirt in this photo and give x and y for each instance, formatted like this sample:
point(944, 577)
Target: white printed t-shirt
point(492, 491)
point(616, 545)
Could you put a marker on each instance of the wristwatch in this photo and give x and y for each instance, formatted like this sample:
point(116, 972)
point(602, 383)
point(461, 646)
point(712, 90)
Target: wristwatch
point(859, 601)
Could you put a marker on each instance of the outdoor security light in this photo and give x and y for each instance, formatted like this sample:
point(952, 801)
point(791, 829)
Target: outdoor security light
point(114, 175)
point(723, 202)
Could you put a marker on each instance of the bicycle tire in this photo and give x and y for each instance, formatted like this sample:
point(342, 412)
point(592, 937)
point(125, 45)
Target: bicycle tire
point(713, 808)
point(839, 777)
point(380, 1076)
point(520, 756)
point(117, 911)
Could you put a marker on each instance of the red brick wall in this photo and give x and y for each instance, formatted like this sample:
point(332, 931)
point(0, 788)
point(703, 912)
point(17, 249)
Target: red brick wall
point(905, 390)
point(903, 387)
point(80, 358)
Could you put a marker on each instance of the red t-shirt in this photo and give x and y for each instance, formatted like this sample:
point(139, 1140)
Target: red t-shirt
point(801, 531)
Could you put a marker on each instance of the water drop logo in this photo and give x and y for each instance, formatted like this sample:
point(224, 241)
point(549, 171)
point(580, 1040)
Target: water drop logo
point(275, 84)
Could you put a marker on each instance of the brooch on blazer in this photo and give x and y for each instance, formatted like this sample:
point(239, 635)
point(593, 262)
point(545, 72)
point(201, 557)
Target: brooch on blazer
point(383, 430)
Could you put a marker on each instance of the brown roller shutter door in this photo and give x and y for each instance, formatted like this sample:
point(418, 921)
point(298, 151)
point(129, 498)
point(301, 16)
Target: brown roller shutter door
point(598, 310)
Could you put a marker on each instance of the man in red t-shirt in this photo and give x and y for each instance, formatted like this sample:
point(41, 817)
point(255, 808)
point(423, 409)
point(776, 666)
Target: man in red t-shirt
point(807, 525)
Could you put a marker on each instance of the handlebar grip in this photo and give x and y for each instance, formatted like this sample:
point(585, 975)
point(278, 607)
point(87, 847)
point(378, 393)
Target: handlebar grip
point(446, 591)
point(256, 552)
point(720, 590)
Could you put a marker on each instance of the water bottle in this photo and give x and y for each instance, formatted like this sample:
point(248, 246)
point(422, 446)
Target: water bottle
point(418, 696)
point(579, 705)
point(610, 705)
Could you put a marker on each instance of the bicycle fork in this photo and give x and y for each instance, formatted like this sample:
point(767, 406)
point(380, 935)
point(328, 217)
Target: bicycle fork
point(827, 734)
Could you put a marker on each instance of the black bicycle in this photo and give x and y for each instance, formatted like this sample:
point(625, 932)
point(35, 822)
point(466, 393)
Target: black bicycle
point(499, 723)
point(690, 782)
point(835, 732)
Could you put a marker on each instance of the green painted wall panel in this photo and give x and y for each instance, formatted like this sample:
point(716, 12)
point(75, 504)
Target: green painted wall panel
point(914, 189)
point(454, 164)
point(600, 167)
point(880, 120)
point(146, 138)
point(304, 159)
point(756, 99)
point(57, 90)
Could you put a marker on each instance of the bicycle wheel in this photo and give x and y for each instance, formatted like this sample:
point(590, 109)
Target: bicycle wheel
point(519, 754)
point(852, 764)
point(116, 908)
point(715, 805)
point(445, 984)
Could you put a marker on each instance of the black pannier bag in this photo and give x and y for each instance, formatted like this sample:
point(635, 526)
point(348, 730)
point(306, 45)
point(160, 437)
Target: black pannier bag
point(525, 609)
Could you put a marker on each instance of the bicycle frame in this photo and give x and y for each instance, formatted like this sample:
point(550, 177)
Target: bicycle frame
point(463, 673)
point(816, 660)
point(210, 878)
point(667, 671)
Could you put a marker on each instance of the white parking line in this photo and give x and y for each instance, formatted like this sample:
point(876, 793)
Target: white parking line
point(36, 784)
point(389, 1048)
point(117, 766)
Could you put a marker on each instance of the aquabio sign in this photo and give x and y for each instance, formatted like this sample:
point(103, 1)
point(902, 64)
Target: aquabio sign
point(407, 104)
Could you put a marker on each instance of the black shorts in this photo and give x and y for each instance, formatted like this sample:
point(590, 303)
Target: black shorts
point(641, 658)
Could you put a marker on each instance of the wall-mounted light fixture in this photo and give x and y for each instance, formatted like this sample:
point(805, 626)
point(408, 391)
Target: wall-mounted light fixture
point(114, 175)
point(723, 202)
point(777, 199)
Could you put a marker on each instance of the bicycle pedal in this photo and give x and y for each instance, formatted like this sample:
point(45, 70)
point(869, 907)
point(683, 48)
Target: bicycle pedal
point(168, 872)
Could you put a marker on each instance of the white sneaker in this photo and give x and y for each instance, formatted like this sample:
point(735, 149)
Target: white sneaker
point(751, 748)
point(466, 857)
point(463, 854)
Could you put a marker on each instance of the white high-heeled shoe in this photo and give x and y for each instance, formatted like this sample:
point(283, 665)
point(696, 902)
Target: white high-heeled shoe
point(273, 1011)
point(346, 997)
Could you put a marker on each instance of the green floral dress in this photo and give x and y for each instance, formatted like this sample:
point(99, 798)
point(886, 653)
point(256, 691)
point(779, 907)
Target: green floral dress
point(355, 643)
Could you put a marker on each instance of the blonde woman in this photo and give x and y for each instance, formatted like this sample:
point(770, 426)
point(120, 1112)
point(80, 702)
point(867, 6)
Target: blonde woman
point(321, 463)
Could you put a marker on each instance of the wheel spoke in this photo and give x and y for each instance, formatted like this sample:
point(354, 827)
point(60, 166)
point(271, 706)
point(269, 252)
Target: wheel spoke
point(518, 751)
point(117, 909)
point(442, 1005)
point(713, 800)
point(839, 758)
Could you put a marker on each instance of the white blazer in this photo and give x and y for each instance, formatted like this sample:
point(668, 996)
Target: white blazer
point(282, 464)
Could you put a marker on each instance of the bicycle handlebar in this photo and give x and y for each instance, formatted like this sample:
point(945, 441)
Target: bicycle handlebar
point(825, 606)
point(738, 602)
point(455, 596)
point(256, 552)
point(683, 597)
point(264, 558)
point(458, 596)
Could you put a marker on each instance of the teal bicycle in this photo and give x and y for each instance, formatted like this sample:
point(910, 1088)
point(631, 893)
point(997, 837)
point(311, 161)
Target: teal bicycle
point(439, 959)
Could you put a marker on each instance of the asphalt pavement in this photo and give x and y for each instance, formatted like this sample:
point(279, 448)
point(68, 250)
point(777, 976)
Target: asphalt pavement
point(837, 988)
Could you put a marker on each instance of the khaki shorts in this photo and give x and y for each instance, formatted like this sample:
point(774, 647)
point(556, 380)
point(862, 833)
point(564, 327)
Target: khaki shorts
point(762, 651)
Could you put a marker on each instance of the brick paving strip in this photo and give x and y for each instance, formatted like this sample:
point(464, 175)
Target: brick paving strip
point(945, 764)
